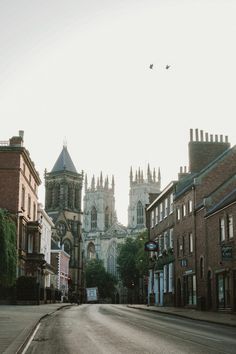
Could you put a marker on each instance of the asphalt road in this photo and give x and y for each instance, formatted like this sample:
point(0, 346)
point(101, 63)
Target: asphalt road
point(114, 329)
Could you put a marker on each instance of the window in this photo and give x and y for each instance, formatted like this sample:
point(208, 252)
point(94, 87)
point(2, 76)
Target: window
point(190, 206)
point(178, 213)
point(166, 241)
point(161, 243)
point(222, 229)
point(30, 243)
point(140, 214)
point(190, 242)
point(161, 212)
point(171, 238)
point(184, 210)
point(29, 206)
point(230, 226)
point(165, 208)
point(91, 254)
point(157, 215)
point(23, 198)
point(166, 277)
point(152, 218)
point(106, 218)
point(93, 218)
point(170, 277)
point(171, 203)
point(34, 211)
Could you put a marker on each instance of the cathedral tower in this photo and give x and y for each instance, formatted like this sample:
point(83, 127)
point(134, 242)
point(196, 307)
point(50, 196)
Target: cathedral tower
point(99, 205)
point(63, 204)
point(140, 188)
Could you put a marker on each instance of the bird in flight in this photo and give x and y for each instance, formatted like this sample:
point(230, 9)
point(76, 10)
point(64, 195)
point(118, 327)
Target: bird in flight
point(151, 66)
point(167, 67)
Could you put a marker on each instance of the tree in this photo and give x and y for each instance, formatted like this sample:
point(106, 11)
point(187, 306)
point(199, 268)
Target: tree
point(97, 276)
point(133, 260)
point(7, 249)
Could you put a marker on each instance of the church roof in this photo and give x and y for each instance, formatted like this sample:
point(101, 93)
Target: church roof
point(64, 162)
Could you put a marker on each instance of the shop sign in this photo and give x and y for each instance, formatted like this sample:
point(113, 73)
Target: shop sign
point(151, 246)
point(227, 253)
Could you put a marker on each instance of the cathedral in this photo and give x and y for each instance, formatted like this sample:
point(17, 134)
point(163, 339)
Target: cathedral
point(101, 230)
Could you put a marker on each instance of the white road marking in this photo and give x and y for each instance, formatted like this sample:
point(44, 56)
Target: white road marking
point(31, 338)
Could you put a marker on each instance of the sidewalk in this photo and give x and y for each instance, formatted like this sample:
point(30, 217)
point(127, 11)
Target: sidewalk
point(17, 324)
point(227, 319)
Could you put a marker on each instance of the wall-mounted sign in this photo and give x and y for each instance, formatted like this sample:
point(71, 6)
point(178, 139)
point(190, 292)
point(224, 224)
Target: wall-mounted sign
point(151, 246)
point(226, 253)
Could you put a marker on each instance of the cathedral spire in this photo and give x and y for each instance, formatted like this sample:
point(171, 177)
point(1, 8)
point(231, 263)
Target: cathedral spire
point(85, 183)
point(154, 175)
point(106, 183)
point(113, 183)
point(139, 175)
point(93, 183)
point(159, 175)
point(131, 175)
point(148, 174)
point(101, 180)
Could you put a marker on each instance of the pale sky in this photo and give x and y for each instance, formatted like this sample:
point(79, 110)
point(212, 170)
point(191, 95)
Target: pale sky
point(79, 70)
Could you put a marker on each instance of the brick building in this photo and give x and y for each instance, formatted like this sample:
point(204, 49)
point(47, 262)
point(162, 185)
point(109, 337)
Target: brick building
point(202, 278)
point(160, 223)
point(19, 182)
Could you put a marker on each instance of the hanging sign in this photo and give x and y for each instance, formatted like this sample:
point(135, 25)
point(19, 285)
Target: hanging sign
point(151, 246)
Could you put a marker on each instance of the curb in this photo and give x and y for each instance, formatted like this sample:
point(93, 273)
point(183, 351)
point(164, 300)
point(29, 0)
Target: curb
point(184, 316)
point(20, 342)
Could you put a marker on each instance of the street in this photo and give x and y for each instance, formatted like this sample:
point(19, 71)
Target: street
point(106, 329)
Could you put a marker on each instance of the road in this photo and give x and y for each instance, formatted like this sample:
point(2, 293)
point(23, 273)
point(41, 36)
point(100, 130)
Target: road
point(115, 329)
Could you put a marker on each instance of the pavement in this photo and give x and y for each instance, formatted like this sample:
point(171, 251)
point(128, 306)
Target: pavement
point(222, 318)
point(17, 323)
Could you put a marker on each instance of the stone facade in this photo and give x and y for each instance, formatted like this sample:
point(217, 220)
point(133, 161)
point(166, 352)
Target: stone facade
point(63, 204)
point(139, 194)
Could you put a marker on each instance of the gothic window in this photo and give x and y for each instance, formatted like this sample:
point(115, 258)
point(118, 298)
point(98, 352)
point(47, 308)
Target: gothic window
point(91, 254)
point(93, 218)
point(106, 218)
point(140, 214)
point(67, 247)
point(111, 258)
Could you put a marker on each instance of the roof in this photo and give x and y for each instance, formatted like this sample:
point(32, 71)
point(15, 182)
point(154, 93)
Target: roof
point(64, 162)
point(224, 202)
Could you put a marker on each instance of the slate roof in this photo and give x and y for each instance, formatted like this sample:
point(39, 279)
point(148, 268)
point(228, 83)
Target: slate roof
point(225, 201)
point(64, 162)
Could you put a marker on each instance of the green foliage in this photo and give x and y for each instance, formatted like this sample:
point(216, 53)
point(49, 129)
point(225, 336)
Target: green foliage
point(7, 249)
point(133, 260)
point(96, 276)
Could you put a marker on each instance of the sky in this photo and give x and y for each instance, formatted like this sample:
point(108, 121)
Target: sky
point(77, 71)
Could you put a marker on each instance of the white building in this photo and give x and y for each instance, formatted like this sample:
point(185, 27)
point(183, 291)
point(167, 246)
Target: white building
point(45, 244)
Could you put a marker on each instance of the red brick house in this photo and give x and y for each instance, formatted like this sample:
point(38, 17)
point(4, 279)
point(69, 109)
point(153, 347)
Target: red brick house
point(204, 226)
point(19, 183)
